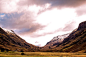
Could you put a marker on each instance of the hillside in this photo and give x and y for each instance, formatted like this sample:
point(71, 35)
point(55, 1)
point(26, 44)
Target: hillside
point(55, 41)
point(75, 42)
point(71, 42)
point(10, 41)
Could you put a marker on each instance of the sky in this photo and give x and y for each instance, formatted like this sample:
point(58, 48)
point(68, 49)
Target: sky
point(38, 21)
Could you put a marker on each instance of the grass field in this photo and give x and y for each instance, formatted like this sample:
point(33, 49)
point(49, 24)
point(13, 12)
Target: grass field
point(41, 54)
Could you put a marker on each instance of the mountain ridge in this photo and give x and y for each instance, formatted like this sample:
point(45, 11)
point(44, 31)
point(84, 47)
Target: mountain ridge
point(75, 42)
point(55, 41)
point(71, 42)
point(11, 41)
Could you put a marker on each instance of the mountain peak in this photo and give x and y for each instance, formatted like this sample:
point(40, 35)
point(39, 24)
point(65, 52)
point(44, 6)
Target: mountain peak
point(56, 41)
point(74, 42)
point(11, 41)
point(82, 25)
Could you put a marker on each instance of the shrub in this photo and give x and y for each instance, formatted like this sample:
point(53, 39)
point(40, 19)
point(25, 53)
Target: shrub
point(22, 53)
point(2, 49)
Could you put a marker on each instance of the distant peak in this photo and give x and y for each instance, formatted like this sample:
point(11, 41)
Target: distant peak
point(61, 36)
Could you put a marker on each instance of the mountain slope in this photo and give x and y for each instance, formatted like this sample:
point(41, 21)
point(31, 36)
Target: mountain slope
point(10, 41)
point(75, 42)
point(55, 41)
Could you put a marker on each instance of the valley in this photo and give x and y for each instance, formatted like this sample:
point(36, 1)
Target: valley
point(41, 54)
point(68, 45)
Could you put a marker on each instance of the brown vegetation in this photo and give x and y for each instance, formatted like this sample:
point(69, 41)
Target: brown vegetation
point(75, 42)
point(11, 41)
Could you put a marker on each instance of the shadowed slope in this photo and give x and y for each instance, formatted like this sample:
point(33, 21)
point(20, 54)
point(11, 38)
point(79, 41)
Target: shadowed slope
point(10, 41)
point(75, 42)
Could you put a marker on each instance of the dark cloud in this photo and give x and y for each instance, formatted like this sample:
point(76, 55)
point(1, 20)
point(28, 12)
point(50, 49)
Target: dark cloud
point(9, 19)
point(54, 3)
point(68, 3)
point(24, 22)
point(21, 22)
point(44, 34)
point(27, 31)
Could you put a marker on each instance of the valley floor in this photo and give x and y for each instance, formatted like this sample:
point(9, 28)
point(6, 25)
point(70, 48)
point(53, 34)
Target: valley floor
point(41, 54)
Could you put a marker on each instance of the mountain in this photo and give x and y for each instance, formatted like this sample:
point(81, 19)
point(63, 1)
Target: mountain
point(55, 41)
point(75, 42)
point(10, 41)
point(71, 42)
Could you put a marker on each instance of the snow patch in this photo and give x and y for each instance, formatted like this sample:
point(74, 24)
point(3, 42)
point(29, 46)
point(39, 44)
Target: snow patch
point(61, 36)
point(8, 31)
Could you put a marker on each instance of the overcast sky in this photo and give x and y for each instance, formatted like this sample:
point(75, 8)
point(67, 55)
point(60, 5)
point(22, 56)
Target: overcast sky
point(38, 21)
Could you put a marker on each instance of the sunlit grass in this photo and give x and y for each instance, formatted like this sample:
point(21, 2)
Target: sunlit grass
point(41, 54)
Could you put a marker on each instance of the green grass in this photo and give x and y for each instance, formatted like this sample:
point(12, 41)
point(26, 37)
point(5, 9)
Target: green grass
point(41, 54)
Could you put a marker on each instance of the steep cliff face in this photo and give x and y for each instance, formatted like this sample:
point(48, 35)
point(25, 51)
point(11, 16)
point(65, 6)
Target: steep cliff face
point(10, 41)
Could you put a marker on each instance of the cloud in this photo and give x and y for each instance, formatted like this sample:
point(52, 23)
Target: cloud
point(69, 26)
point(43, 19)
point(9, 20)
point(45, 33)
point(8, 6)
point(54, 3)
point(51, 4)
point(81, 10)
point(21, 23)
point(19, 18)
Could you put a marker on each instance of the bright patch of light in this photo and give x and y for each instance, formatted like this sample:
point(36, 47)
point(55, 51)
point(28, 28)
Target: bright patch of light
point(47, 5)
point(80, 19)
point(36, 9)
point(55, 19)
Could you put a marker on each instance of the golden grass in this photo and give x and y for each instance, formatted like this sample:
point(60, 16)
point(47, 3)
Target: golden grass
point(41, 54)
